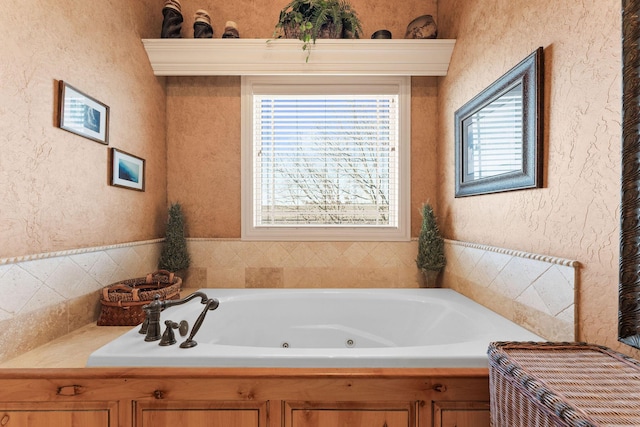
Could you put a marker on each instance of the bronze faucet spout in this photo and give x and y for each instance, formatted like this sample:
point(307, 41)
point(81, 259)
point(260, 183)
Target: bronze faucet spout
point(151, 325)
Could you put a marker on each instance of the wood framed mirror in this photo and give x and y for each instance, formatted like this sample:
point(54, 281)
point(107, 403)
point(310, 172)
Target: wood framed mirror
point(498, 134)
point(629, 277)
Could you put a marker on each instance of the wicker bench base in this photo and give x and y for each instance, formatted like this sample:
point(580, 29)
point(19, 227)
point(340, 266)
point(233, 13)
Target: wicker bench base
point(562, 384)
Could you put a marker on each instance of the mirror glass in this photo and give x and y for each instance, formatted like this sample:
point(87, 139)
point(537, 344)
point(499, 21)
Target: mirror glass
point(493, 137)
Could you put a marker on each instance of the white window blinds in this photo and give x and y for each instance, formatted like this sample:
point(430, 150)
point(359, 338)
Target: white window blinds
point(321, 158)
point(325, 160)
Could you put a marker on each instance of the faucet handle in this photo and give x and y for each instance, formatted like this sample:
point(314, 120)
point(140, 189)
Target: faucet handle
point(168, 337)
point(183, 328)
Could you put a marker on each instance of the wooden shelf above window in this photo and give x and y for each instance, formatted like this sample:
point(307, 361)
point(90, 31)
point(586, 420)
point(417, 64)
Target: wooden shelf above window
point(236, 57)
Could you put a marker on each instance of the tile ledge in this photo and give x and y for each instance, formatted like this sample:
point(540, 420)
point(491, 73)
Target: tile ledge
point(521, 254)
point(239, 239)
point(32, 257)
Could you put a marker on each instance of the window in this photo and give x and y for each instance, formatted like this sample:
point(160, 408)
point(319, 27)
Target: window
point(325, 158)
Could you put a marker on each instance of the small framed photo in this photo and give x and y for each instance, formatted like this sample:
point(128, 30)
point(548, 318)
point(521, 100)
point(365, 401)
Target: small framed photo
point(83, 115)
point(126, 170)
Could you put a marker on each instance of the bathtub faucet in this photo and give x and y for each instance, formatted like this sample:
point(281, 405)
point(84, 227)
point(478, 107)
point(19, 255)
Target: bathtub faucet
point(151, 325)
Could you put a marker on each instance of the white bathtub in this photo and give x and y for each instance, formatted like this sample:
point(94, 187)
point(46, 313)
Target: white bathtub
point(325, 328)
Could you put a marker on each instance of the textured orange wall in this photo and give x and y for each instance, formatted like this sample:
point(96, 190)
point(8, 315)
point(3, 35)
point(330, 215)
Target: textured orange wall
point(203, 119)
point(203, 153)
point(53, 184)
point(576, 215)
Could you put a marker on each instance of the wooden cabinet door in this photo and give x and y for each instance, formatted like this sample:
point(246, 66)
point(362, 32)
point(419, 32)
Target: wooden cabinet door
point(45, 414)
point(201, 414)
point(349, 414)
point(349, 418)
point(461, 414)
point(37, 418)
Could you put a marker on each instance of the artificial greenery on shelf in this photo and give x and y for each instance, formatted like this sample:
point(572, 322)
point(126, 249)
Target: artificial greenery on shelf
point(431, 256)
point(175, 256)
point(309, 20)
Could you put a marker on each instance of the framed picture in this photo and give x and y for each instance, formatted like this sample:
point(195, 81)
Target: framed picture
point(126, 170)
point(498, 134)
point(83, 115)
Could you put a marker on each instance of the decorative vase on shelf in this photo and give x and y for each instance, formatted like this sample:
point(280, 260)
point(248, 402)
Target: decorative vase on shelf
point(230, 30)
point(202, 28)
point(381, 34)
point(423, 27)
point(172, 22)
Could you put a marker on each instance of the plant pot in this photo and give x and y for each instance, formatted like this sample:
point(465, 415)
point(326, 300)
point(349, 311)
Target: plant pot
point(328, 31)
point(291, 30)
point(430, 278)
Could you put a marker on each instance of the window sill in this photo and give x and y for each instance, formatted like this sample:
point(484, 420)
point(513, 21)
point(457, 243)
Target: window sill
point(238, 57)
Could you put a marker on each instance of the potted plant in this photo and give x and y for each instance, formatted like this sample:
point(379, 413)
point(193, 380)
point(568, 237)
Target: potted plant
point(309, 20)
point(431, 259)
point(174, 256)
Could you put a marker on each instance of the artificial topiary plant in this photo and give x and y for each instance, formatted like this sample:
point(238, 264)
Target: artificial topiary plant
point(431, 258)
point(174, 256)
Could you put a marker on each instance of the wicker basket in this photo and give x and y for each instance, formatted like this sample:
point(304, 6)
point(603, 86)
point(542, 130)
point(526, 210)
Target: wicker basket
point(121, 303)
point(562, 384)
point(327, 31)
point(291, 30)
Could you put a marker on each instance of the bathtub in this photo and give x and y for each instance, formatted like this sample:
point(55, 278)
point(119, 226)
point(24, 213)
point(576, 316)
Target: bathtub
point(325, 328)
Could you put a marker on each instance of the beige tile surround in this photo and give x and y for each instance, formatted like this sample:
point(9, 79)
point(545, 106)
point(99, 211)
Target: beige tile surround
point(535, 291)
point(45, 296)
point(231, 263)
